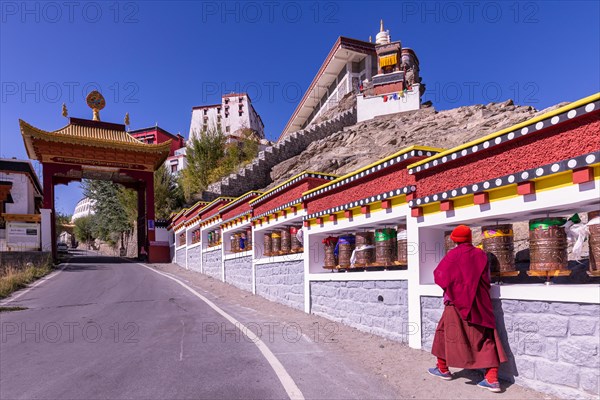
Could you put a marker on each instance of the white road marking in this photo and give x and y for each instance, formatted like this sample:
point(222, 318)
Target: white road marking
point(20, 293)
point(181, 347)
point(284, 377)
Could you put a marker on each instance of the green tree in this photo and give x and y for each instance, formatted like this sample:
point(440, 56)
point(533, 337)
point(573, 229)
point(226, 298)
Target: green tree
point(112, 219)
point(168, 195)
point(84, 229)
point(204, 151)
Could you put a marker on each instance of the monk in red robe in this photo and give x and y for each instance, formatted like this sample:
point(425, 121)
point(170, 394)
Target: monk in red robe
point(466, 336)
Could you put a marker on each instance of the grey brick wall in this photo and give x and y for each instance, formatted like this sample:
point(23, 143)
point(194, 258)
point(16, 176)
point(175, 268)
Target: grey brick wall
point(553, 347)
point(180, 257)
point(238, 272)
point(379, 307)
point(195, 258)
point(211, 263)
point(282, 282)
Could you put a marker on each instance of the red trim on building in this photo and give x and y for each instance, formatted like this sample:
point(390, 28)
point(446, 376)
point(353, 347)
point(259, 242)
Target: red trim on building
point(556, 143)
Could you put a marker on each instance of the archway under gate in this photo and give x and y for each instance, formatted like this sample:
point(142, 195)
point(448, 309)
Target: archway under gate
point(94, 149)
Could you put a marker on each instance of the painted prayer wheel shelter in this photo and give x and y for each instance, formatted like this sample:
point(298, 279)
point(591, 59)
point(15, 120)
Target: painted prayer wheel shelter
point(92, 149)
point(547, 167)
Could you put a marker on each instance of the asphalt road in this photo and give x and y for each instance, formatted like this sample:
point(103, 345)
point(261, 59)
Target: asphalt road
point(108, 329)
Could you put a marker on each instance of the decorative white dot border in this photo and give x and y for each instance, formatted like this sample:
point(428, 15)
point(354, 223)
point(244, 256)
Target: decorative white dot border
point(240, 200)
point(244, 214)
point(533, 127)
point(523, 176)
point(277, 209)
point(292, 182)
point(363, 202)
point(374, 168)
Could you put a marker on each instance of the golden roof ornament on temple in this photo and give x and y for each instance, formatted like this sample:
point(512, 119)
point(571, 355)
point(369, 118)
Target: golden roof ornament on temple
point(65, 112)
point(96, 102)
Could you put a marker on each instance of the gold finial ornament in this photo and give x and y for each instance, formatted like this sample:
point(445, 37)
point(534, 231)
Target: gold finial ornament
point(65, 112)
point(96, 102)
point(126, 118)
point(381, 25)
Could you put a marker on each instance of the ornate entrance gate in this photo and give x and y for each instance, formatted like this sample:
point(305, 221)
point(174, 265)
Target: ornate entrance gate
point(93, 149)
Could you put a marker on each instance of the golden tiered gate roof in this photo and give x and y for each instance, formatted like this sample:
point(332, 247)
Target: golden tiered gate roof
point(100, 135)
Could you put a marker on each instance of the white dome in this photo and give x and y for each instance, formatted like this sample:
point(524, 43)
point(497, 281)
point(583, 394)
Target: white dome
point(383, 37)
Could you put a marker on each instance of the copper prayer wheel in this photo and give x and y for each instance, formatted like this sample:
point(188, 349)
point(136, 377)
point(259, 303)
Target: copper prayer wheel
point(329, 249)
point(547, 244)
point(210, 239)
point(345, 248)
point(449, 244)
point(248, 238)
point(296, 245)
point(233, 243)
point(402, 242)
point(594, 242)
point(276, 241)
point(268, 244)
point(385, 246)
point(364, 256)
point(286, 241)
point(498, 240)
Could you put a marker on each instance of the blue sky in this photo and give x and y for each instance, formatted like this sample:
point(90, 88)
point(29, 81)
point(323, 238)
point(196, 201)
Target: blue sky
point(157, 59)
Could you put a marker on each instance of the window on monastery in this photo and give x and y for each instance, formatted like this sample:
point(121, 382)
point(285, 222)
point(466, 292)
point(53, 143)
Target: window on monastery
point(227, 129)
point(205, 111)
point(174, 168)
point(341, 74)
point(227, 100)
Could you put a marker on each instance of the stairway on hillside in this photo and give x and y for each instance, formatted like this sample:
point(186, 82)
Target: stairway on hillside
point(256, 174)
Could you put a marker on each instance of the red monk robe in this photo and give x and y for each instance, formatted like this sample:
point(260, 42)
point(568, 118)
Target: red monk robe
point(466, 336)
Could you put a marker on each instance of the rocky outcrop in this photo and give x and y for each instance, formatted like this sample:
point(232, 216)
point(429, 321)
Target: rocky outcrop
point(369, 141)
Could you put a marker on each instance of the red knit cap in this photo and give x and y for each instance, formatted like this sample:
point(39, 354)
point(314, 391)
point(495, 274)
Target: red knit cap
point(461, 234)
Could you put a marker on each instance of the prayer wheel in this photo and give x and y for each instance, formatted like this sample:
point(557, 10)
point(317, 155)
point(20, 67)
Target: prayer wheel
point(345, 246)
point(547, 244)
point(329, 248)
point(286, 241)
point(402, 242)
point(268, 244)
point(498, 240)
point(365, 250)
point(448, 243)
point(210, 239)
point(276, 242)
point(248, 238)
point(594, 241)
point(233, 243)
point(385, 246)
point(296, 245)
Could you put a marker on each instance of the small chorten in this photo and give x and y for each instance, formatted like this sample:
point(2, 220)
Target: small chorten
point(383, 37)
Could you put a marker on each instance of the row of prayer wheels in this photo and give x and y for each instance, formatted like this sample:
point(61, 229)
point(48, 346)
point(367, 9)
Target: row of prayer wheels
point(241, 240)
point(196, 236)
point(283, 241)
point(547, 247)
point(380, 248)
point(214, 238)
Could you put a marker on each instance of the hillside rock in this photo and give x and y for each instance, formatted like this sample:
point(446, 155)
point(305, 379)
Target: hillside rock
point(366, 142)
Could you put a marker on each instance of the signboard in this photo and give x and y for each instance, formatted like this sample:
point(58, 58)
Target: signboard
point(23, 235)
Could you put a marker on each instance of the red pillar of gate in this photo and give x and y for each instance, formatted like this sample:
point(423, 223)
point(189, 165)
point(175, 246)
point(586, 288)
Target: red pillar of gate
point(141, 219)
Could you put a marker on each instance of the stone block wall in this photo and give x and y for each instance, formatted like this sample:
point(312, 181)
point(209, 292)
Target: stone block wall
point(195, 258)
point(553, 347)
point(378, 307)
point(211, 263)
point(180, 257)
point(282, 282)
point(238, 272)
